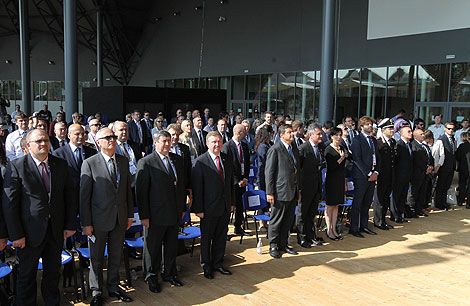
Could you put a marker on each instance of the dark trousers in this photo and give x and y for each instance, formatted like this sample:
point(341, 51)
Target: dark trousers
point(363, 195)
point(115, 240)
point(429, 183)
point(166, 237)
point(382, 200)
point(282, 217)
point(213, 241)
point(418, 195)
point(28, 259)
point(444, 180)
point(306, 212)
point(238, 206)
point(464, 188)
point(400, 193)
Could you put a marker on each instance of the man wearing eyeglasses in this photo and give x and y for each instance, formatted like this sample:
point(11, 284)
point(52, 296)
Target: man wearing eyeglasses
point(106, 212)
point(95, 126)
point(147, 120)
point(40, 212)
point(443, 152)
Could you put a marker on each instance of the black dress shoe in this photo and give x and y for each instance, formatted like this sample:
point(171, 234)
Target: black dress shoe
point(224, 271)
point(274, 252)
point(97, 300)
point(208, 274)
point(467, 206)
point(368, 231)
point(382, 227)
point(318, 241)
point(449, 208)
point(305, 244)
point(241, 232)
point(291, 251)
point(120, 295)
point(154, 286)
point(173, 281)
point(356, 234)
point(459, 204)
point(415, 216)
point(388, 226)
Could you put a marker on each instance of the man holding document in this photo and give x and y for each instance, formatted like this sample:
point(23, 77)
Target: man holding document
point(106, 212)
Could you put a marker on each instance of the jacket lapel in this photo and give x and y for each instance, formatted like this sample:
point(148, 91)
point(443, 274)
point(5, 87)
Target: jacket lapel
point(33, 169)
point(212, 164)
point(104, 166)
point(71, 156)
point(286, 153)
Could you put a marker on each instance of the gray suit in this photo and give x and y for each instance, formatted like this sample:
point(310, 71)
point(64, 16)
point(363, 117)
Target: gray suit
point(282, 180)
point(106, 208)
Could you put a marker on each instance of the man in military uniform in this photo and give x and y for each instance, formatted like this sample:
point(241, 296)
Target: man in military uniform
point(386, 146)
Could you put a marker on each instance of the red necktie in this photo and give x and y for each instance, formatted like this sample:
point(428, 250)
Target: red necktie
point(241, 152)
point(219, 166)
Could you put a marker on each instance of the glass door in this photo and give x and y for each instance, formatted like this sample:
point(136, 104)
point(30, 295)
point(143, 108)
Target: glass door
point(428, 110)
point(247, 107)
point(459, 111)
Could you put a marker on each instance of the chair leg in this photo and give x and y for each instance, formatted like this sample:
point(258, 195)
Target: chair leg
point(192, 248)
point(74, 271)
point(82, 277)
point(127, 266)
point(256, 229)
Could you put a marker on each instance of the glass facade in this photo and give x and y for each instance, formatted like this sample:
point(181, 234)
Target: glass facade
point(371, 91)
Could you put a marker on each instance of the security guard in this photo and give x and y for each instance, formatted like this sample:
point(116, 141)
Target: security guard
point(387, 149)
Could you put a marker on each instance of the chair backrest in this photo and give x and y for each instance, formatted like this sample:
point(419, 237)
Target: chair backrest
point(136, 225)
point(254, 200)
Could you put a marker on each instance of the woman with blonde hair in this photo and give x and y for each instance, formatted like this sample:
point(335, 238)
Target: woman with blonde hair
point(187, 139)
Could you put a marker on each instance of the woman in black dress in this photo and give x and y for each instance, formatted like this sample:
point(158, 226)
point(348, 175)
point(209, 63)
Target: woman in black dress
point(462, 155)
point(263, 143)
point(335, 181)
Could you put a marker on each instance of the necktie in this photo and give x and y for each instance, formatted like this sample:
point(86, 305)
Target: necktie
point(409, 147)
point(112, 170)
point(219, 167)
point(61, 143)
point(124, 151)
point(299, 142)
point(317, 153)
point(452, 143)
point(45, 177)
point(169, 167)
point(371, 144)
point(139, 127)
point(201, 139)
point(291, 153)
point(240, 151)
point(78, 157)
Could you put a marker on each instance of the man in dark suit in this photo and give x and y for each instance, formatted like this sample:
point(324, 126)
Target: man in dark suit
point(59, 139)
point(366, 160)
point(403, 172)
point(445, 172)
point(162, 174)
point(199, 136)
point(40, 211)
point(74, 153)
point(249, 138)
point(147, 120)
point(311, 163)
point(421, 169)
point(386, 146)
point(240, 157)
point(205, 116)
point(183, 151)
point(138, 131)
point(299, 131)
point(106, 212)
point(222, 129)
point(213, 195)
point(283, 189)
point(179, 112)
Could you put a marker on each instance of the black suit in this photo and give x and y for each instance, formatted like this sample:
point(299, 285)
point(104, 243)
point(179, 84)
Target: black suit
point(55, 142)
point(445, 173)
point(283, 180)
point(231, 149)
point(200, 146)
point(388, 152)
point(225, 136)
point(134, 134)
point(363, 168)
point(135, 147)
point(403, 172)
point(3, 225)
point(421, 161)
point(310, 166)
point(349, 159)
point(212, 196)
point(261, 153)
point(31, 213)
point(163, 211)
point(462, 155)
point(183, 151)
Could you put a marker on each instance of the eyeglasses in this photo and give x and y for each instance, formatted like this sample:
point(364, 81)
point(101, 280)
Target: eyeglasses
point(96, 124)
point(450, 129)
point(109, 137)
point(40, 141)
point(159, 121)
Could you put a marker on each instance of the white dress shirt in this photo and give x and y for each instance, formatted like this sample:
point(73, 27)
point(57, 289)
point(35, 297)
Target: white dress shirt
point(12, 144)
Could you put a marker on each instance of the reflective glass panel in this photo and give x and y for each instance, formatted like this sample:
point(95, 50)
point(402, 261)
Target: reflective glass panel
point(432, 83)
point(460, 83)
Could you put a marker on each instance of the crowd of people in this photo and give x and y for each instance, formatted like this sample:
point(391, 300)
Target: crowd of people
point(54, 171)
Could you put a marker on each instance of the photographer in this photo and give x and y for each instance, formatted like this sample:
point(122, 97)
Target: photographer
point(4, 103)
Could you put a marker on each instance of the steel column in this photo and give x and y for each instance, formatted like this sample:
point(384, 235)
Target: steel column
point(70, 57)
point(25, 61)
point(99, 48)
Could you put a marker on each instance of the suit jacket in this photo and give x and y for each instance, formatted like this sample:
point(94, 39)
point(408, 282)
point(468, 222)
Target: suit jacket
point(159, 197)
point(187, 165)
point(349, 159)
point(212, 195)
point(421, 160)
point(27, 206)
point(134, 133)
point(311, 171)
point(362, 157)
point(66, 153)
point(462, 155)
point(135, 148)
point(55, 142)
point(261, 153)
point(282, 174)
point(101, 203)
point(228, 135)
point(201, 148)
point(449, 160)
point(231, 149)
point(404, 164)
point(250, 142)
point(3, 225)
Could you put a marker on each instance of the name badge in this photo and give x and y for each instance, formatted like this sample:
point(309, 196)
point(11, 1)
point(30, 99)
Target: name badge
point(374, 160)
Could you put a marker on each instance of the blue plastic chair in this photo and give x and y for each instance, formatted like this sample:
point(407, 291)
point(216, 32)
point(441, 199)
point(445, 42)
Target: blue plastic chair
point(262, 204)
point(190, 232)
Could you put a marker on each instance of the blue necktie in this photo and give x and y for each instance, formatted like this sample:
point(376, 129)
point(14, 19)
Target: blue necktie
point(371, 144)
point(292, 154)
